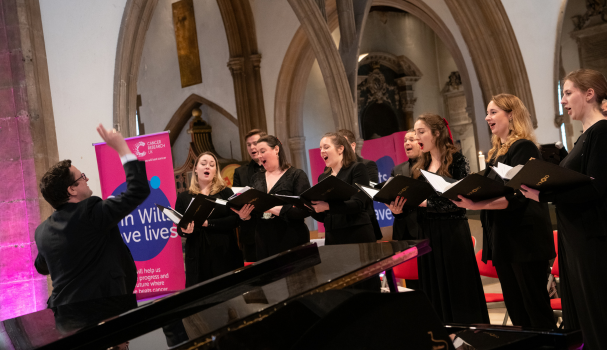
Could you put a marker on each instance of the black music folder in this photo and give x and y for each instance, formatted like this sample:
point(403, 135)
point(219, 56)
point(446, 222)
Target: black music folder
point(415, 191)
point(198, 211)
point(542, 175)
point(262, 201)
point(329, 189)
point(475, 187)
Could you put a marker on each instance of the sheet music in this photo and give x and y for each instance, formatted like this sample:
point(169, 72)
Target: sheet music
point(507, 172)
point(221, 201)
point(238, 191)
point(371, 192)
point(438, 182)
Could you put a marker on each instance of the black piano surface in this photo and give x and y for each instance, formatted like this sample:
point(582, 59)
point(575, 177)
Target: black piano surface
point(214, 307)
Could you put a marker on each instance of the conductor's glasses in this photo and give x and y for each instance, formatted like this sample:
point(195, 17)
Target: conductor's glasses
point(83, 176)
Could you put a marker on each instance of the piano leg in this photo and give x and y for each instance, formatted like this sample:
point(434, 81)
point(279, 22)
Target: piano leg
point(391, 281)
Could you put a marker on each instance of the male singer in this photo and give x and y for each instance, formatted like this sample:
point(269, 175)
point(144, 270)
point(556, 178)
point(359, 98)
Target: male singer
point(373, 176)
point(604, 108)
point(405, 224)
point(80, 245)
point(243, 176)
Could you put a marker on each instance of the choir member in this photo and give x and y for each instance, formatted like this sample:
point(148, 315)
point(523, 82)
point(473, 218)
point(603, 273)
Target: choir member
point(604, 108)
point(582, 211)
point(211, 249)
point(373, 173)
point(243, 176)
point(405, 221)
point(280, 228)
point(449, 274)
point(348, 221)
point(517, 233)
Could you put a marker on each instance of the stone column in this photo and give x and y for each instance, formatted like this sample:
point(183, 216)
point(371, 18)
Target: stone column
point(407, 98)
point(28, 145)
point(236, 66)
point(297, 146)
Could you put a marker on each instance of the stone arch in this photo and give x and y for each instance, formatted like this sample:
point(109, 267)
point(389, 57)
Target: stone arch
point(298, 61)
point(131, 38)
point(184, 113)
point(399, 64)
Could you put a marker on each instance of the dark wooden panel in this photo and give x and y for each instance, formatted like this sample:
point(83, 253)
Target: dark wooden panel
point(184, 22)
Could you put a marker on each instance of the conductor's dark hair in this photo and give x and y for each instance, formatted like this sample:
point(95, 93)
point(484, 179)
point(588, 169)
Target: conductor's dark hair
point(349, 157)
point(273, 141)
point(253, 132)
point(349, 135)
point(55, 182)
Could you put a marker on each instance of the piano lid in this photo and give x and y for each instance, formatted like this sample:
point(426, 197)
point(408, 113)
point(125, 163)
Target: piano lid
point(213, 306)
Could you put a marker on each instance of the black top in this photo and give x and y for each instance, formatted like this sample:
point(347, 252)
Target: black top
point(216, 241)
point(353, 212)
point(441, 207)
point(585, 206)
point(371, 168)
point(522, 232)
point(81, 247)
point(405, 224)
point(292, 183)
point(243, 176)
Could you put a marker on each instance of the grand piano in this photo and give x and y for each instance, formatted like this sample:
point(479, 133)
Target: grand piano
point(307, 297)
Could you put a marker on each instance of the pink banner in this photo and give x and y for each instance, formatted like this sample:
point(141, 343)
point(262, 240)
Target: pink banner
point(151, 237)
point(386, 151)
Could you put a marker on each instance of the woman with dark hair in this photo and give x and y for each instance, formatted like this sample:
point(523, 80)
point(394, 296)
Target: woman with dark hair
point(280, 228)
point(348, 221)
point(582, 211)
point(212, 249)
point(517, 233)
point(449, 274)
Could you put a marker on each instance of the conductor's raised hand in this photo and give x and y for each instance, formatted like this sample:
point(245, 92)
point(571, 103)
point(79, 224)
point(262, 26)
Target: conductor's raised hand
point(320, 206)
point(114, 139)
point(530, 193)
point(396, 206)
point(245, 211)
point(188, 229)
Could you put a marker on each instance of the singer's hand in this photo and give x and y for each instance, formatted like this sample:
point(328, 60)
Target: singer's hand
point(189, 229)
point(424, 204)
point(244, 212)
point(530, 193)
point(275, 210)
point(320, 206)
point(206, 223)
point(396, 207)
point(465, 203)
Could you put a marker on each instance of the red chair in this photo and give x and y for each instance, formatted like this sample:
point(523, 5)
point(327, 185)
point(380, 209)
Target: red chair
point(494, 300)
point(554, 273)
point(248, 263)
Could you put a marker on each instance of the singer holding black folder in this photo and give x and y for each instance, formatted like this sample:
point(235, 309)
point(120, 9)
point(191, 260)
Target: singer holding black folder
point(582, 211)
point(212, 249)
point(348, 221)
point(517, 233)
point(449, 274)
point(280, 228)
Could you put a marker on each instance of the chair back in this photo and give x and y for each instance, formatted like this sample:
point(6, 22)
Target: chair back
point(406, 270)
point(556, 240)
point(555, 267)
point(487, 270)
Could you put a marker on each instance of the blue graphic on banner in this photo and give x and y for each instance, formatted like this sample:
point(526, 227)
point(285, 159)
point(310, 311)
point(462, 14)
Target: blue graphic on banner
point(383, 213)
point(146, 230)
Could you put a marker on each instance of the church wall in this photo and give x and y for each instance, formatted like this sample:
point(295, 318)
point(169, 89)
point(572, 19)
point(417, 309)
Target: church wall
point(534, 24)
point(159, 82)
point(275, 25)
point(81, 39)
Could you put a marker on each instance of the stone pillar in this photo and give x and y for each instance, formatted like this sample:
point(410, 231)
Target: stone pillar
point(28, 145)
point(297, 146)
point(407, 98)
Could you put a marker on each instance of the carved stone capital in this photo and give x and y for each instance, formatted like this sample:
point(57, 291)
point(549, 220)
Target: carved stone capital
point(236, 65)
point(460, 130)
point(297, 143)
point(256, 60)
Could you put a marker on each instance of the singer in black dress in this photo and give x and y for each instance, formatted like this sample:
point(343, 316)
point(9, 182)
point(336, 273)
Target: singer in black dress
point(517, 233)
point(349, 221)
point(449, 274)
point(582, 212)
point(210, 250)
point(280, 228)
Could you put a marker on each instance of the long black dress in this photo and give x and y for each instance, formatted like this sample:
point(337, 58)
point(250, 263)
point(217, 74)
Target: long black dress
point(449, 274)
point(582, 238)
point(210, 251)
point(405, 224)
point(288, 230)
point(520, 243)
point(349, 221)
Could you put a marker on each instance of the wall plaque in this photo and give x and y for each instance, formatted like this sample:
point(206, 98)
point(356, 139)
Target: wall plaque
point(187, 43)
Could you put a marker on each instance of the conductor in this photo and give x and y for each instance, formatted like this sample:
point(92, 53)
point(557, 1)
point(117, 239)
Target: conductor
point(80, 245)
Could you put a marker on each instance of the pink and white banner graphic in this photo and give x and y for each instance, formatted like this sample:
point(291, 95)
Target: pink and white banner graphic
point(386, 151)
point(151, 236)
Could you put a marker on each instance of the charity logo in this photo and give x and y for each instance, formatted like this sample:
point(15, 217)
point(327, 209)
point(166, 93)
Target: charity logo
point(146, 230)
point(138, 152)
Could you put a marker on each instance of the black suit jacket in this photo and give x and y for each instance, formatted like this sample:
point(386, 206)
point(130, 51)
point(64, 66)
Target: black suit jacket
point(403, 168)
point(522, 232)
point(371, 168)
point(82, 249)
